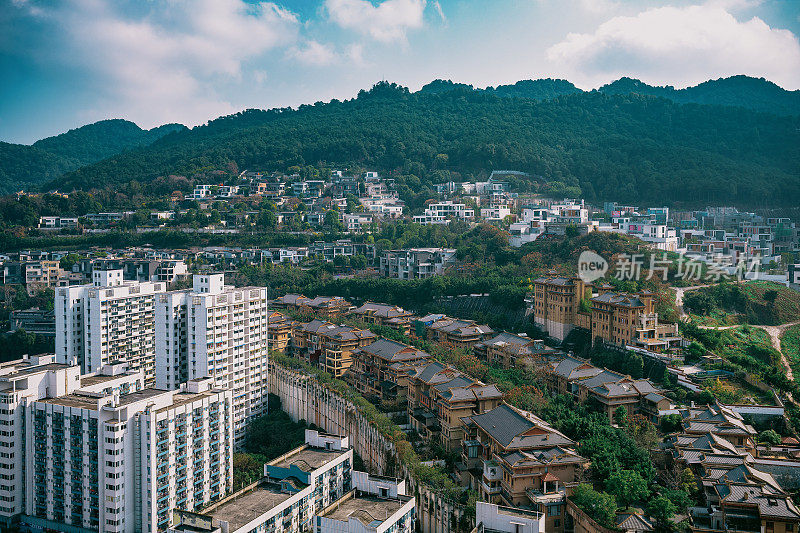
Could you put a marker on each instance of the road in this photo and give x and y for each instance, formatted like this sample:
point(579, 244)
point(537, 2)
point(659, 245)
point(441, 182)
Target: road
point(774, 332)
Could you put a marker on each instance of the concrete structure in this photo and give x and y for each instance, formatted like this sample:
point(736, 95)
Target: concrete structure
point(225, 332)
point(416, 263)
point(114, 462)
point(111, 320)
point(311, 488)
point(493, 517)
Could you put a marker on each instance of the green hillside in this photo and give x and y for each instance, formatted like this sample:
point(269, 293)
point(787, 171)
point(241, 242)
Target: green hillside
point(27, 166)
point(623, 147)
point(738, 91)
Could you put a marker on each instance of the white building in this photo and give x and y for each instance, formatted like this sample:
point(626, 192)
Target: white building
point(443, 212)
point(356, 222)
point(109, 321)
point(501, 519)
point(311, 488)
point(123, 462)
point(496, 213)
point(416, 263)
point(216, 331)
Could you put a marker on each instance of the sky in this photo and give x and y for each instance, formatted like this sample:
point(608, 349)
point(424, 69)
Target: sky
point(66, 63)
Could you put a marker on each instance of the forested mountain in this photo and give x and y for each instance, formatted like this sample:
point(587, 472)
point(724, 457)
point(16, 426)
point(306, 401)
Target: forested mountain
point(535, 89)
point(740, 91)
point(23, 166)
point(625, 147)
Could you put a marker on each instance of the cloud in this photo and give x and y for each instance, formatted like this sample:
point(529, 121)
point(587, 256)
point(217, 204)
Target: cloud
point(163, 63)
point(386, 22)
point(681, 46)
point(314, 53)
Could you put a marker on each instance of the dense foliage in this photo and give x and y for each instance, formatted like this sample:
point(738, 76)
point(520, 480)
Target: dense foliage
point(756, 302)
point(741, 91)
point(628, 148)
point(25, 166)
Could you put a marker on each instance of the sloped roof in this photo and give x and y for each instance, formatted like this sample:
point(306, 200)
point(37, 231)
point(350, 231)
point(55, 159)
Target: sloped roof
point(621, 299)
point(513, 430)
point(390, 350)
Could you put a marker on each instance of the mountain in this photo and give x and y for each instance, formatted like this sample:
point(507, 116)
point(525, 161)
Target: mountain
point(534, 89)
point(46, 159)
point(737, 91)
point(625, 147)
point(757, 94)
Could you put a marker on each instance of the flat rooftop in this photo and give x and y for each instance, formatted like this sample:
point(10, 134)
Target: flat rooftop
point(366, 509)
point(309, 458)
point(78, 401)
point(182, 398)
point(248, 506)
point(88, 381)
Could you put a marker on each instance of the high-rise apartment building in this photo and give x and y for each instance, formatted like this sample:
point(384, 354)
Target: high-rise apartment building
point(110, 320)
point(219, 332)
point(123, 462)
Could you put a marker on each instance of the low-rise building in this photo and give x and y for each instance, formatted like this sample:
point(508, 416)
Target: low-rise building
point(384, 315)
point(516, 458)
point(324, 307)
point(507, 350)
point(373, 374)
point(312, 488)
point(416, 263)
point(329, 345)
point(440, 397)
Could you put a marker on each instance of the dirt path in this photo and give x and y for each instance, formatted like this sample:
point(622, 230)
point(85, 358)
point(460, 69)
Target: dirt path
point(679, 291)
point(775, 333)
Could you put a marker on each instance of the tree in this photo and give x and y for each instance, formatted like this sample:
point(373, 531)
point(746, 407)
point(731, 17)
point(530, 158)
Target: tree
point(628, 486)
point(769, 437)
point(332, 220)
point(600, 506)
point(662, 509)
point(620, 415)
point(671, 423)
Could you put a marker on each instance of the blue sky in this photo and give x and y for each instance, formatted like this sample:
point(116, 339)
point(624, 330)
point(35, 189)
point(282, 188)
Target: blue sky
point(68, 63)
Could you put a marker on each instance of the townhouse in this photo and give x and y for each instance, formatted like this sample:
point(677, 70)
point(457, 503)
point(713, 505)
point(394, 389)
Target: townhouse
point(456, 332)
point(329, 345)
point(390, 316)
point(280, 330)
point(440, 397)
point(325, 307)
point(507, 349)
point(375, 372)
point(515, 458)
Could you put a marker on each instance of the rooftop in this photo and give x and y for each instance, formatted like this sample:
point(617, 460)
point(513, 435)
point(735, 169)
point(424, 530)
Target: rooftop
point(242, 509)
point(368, 510)
point(308, 458)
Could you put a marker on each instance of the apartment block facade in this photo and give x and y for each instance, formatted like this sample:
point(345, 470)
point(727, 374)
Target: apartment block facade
point(226, 335)
point(111, 320)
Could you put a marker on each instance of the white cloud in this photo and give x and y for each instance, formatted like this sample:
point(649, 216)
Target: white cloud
point(388, 21)
point(680, 46)
point(314, 53)
point(164, 65)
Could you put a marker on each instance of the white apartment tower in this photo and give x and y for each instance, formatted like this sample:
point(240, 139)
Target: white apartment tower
point(108, 321)
point(25, 381)
point(220, 332)
point(123, 462)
